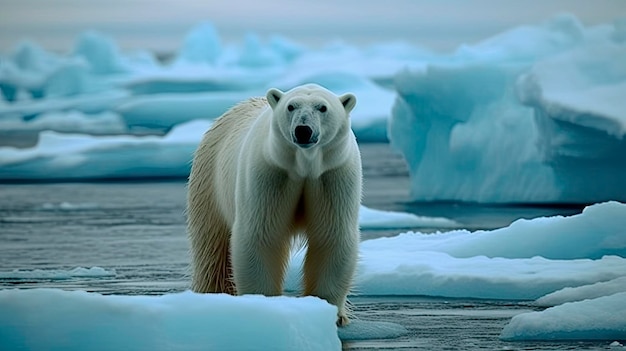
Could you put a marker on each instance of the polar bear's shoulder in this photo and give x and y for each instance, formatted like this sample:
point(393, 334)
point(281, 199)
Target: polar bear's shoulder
point(252, 104)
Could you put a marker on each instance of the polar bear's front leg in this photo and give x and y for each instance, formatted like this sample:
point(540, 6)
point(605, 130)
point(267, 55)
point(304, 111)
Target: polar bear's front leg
point(333, 236)
point(259, 259)
point(261, 237)
point(329, 268)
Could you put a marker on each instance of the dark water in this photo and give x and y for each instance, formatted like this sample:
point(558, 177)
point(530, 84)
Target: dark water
point(138, 229)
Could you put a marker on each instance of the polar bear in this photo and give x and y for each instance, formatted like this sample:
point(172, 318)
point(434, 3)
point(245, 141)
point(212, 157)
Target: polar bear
point(268, 171)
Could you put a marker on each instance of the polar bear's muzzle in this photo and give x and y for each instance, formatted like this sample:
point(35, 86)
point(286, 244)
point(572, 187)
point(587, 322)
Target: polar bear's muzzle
point(304, 136)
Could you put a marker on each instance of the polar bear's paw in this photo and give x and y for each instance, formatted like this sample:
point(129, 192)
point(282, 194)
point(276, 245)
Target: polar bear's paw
point(342, 321)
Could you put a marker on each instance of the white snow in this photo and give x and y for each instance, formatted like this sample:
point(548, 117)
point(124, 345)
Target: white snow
point(53, 319)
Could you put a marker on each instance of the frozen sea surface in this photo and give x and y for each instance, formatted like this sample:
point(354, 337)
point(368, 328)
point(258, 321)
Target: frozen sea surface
point(138, 230)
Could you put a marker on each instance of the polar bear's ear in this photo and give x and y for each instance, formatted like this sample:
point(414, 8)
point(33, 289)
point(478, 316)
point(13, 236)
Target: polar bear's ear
point(273, 95)
point(348, 101)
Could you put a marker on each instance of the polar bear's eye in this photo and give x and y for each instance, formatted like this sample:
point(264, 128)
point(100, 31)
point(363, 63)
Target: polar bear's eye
point(322, 108)
point(290, 108)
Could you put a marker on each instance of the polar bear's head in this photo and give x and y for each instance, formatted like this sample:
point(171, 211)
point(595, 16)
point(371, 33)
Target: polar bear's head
point(310, 115)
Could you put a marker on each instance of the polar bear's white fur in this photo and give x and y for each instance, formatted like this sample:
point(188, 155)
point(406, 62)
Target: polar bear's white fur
point(269, 170)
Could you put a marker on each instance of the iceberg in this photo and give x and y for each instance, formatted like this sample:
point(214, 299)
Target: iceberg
point(26, 69)
point(92, 69)
point(528, 116)
point(580, 113)
point(100, 52)
point(464, 136)
point(201, 45)
point(256, 55)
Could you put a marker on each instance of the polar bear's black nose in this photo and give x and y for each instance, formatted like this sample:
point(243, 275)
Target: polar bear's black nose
point(303, 134)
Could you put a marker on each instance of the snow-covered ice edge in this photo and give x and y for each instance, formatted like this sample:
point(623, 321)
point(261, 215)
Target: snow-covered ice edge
point(602, 318)
point(53, 319)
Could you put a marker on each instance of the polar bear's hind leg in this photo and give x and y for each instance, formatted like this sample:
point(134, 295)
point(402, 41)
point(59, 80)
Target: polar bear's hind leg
point(211, 261)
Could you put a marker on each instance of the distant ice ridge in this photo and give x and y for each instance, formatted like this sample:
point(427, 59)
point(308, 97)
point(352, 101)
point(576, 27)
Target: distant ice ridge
point(533, 115)
point(68, 122)
point(80, 156)
point(527, 116)
point(205, 78)
point(95, 62)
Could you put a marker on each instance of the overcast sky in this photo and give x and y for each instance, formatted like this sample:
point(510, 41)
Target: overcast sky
point(161, 24)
